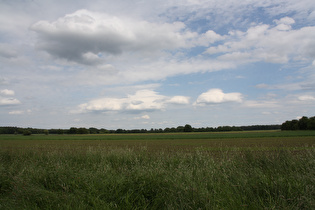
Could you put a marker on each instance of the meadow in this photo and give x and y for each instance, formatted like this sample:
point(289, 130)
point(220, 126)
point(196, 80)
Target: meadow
point(223, 170)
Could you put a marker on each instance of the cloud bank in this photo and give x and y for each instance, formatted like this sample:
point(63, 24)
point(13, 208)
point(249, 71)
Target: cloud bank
point(89, 37)
point(263, 42)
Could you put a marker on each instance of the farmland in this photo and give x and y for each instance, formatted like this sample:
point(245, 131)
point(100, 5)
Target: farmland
point(222, 170)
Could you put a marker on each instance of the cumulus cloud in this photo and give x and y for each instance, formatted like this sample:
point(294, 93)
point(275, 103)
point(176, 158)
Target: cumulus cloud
point(7, 92)
point(208, 37)
point(142, 100)
point(179, 100)
point(83, 36)
point(101, 40)
point(216, 96)
point(117, 49)
point(8, 101)
point(278, 44)
point(285, 20)
point(5, 98)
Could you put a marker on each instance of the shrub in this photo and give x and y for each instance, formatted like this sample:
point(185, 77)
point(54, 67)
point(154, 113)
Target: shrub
point(27, 133)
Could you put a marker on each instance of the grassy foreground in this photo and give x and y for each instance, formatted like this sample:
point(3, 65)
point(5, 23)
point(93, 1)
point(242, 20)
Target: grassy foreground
point(66, 175)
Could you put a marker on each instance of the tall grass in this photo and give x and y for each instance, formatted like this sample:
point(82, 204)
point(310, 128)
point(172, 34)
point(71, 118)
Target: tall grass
point(135, 178)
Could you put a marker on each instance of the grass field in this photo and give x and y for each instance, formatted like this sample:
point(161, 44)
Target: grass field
point(232, 170)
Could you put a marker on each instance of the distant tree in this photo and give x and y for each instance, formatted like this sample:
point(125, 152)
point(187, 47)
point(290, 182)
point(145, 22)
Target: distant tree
point(119, 130)
point(303, 123)
point(144, 131)
point(167, 130)
point(27, 133)
point(73, 130)
point(102, 130)
point(57, 131)
point(83, 131)
point(180, 129)
point(286, 125)
point(294, 125)
point(93, 130)
point(188, 128)
point(311, 123)
point(60, 131)
point(46, 132)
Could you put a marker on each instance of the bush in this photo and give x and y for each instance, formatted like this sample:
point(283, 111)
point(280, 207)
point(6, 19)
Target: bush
point(27, 133)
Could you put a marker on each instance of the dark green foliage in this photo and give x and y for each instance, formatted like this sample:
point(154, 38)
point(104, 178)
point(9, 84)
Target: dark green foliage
point(303, 123)
point(311, 123)
point(27, 133)
point(46, 132)
point(188, 128)
point(73, 130)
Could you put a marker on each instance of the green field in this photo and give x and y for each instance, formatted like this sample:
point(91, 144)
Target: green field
point(176, 141)
point(232, 170)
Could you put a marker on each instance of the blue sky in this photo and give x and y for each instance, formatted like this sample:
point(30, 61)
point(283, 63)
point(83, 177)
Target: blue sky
point(156, 64)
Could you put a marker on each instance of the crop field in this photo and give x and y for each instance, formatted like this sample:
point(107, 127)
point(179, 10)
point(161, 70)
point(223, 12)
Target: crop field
point(218, 170)
point(166, 141)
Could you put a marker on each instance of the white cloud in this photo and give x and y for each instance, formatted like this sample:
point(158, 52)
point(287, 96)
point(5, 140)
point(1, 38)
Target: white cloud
point(216, 96)
point(119, 49)
point(278, 44)
point(283, 27)
point(179, 100)
point(103, 104)
point(208, 37)
point(145, 100)
point(142, 100)
point(136, 50)
point(306, 98)
point(285, 20)
point(8, 101)
point(7, 92)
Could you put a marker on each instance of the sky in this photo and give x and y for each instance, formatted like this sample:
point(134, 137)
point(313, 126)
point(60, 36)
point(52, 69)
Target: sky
point(156, 63)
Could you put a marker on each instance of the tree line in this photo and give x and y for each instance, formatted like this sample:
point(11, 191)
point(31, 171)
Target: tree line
point(304, 123)
point(92, 130)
